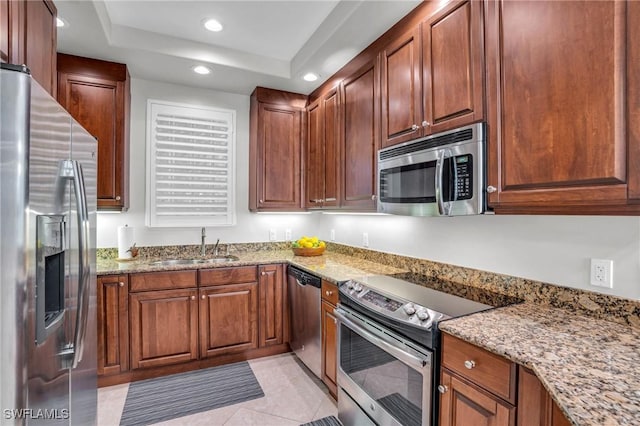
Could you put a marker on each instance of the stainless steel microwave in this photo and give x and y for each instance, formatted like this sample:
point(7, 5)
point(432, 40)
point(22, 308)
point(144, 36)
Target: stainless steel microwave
point(440, 175)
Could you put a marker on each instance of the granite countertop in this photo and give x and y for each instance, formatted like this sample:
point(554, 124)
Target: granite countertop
point(589, 366)
point(333, 267)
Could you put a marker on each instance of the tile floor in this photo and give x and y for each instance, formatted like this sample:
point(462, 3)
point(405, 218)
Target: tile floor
point(293, 395)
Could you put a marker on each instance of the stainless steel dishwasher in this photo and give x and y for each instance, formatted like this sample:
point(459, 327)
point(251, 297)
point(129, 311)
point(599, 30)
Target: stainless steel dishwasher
point(304, 306)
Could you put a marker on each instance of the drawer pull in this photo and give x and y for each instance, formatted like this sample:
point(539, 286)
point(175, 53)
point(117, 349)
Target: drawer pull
point(121, 284)
point(203, 297)
point(469, 364)
point(193, 298)
point(442, 389)
point(328, 292)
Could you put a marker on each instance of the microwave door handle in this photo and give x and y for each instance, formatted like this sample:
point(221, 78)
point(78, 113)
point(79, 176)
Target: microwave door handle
point(444, 207)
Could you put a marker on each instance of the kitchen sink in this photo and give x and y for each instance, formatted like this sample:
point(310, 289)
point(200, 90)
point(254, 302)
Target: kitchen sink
point(172, 262)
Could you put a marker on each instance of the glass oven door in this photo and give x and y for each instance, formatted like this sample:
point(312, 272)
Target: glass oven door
point(388, 377)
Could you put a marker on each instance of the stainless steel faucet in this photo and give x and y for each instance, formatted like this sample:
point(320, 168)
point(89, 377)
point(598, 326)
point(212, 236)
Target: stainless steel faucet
point(215, 248)
point(202, 245)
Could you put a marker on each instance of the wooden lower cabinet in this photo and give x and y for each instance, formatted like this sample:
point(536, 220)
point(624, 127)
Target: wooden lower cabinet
point(163, 327)
point(329, 345)
point(113, 324)
point(478, 387)
point(272, 309)
point(329, 337)
point(464, 404)
point(228, 319)
point(535, 406)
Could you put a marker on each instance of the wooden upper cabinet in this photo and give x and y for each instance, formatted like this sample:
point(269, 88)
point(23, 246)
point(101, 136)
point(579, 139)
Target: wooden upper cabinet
point(402, 89)
point(360, 137)
point(432, 75)
point(322, 173)
point(276, 136)
point(96, 93)
point(562, 110)
point(453, 54)
point(28, 35)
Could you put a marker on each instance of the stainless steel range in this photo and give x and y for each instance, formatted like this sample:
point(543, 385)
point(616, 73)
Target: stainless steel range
point(388, 350)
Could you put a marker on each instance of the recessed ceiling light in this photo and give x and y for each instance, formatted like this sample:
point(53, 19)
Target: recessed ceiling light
point(310, 77)
point(60, 23)
point(201, 69)
point(212, 25)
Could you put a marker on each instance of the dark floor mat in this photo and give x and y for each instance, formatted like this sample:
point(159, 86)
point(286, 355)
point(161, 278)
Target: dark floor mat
point(403, 410)
point(325, 421)
point(165, 398)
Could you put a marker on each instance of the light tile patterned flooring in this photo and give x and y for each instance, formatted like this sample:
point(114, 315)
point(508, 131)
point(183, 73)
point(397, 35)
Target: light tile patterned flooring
point(293, 395)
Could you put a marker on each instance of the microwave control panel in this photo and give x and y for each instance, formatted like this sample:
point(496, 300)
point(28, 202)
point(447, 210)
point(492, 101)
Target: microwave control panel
point(464, 169)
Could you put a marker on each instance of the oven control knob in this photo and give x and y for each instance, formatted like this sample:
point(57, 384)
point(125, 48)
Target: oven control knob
point(423, 315)
point(350, 285)
point(357, 287)
point(409, 309)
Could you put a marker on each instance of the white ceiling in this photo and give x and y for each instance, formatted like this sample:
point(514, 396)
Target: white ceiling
point(264, 43)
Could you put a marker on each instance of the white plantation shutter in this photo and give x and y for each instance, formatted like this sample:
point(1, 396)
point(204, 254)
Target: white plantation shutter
point(190, 164)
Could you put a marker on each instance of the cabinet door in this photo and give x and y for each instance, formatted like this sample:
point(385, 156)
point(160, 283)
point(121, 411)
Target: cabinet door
point(315, 156)
point(331, 131)
point(401, 89)
point(535, 406)
point(228, 319)
point(164, 327)
point(360, 137)
point(557, 104)
point(279, 157)
point(453, 66)
point(98, 105)
point(5, 30)
point(41, 43)
point(329, 347)
point(113, 324)
point(463, 404)
point(272, 299)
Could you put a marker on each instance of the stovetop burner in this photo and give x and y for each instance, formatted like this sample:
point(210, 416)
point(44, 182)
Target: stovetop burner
point(413, 304)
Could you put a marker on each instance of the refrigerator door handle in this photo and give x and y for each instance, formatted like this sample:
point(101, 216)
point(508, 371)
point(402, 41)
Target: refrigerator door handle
point(70, 169)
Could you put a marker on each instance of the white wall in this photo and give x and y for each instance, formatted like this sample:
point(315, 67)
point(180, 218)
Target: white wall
point(552, 249)
point(249, 227)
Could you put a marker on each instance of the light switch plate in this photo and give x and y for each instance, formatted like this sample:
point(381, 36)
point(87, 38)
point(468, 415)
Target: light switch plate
point(272, 234)
point(365, 239)
point(287, 234)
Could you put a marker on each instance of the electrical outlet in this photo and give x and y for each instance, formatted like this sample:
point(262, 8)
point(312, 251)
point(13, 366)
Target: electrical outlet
point(365, 239)
point(602, 273)
point(272, 234)
point(287, 234)
point(333, 235)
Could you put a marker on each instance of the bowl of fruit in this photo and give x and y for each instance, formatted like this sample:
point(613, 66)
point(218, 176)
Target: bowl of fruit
point(308, 246)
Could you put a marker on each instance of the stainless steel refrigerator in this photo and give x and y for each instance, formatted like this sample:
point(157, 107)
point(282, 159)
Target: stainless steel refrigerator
point(47, 257)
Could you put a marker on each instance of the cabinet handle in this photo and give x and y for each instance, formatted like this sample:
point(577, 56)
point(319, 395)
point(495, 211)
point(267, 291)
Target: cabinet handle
point(328, 292)
point(193, 298)
point(491, 189)
point(425, 123)
point(335, 321)
point(263, 273)
point(373, 197)
point(117, 198)
point(203, 297)
point(442, 388)
point(469, 364)
point(414, 127)
point(261, 201)
point(121, 284)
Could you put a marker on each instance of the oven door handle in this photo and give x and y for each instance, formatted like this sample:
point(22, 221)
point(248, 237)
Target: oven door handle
point(416, 362)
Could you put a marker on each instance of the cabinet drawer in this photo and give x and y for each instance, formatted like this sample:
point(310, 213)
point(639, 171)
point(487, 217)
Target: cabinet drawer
point(222, 276)
point(162, 280)
point(490, 371)
point(329, 292)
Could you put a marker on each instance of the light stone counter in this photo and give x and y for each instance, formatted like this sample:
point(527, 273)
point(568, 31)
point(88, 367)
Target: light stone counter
point(589, 366)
